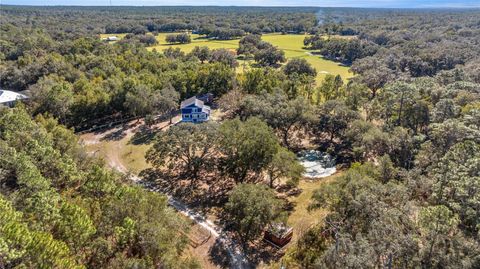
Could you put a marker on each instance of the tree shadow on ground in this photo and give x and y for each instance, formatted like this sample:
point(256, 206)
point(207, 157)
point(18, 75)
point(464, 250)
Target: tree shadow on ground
point(219, 255)
point(256, 253)
point(202, 195)
point(143, 136)
point(261, 252)
point(158, 179)
point(116, 135)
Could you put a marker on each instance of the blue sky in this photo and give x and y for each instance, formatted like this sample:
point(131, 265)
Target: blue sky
point(322, 3)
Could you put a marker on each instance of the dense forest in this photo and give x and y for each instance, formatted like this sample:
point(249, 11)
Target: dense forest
point(63, 209)
point(405, 131)
point(94, 20)
point(411, 199)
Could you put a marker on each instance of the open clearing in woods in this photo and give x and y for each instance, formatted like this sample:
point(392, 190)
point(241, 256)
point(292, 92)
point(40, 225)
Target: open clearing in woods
point(117, 147)
point(290, 43)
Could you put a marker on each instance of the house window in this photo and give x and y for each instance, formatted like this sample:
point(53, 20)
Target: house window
point(186, 116)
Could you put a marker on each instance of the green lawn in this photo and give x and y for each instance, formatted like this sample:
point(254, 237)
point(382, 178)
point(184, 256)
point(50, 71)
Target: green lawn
point(293, 47)
point(291, 44)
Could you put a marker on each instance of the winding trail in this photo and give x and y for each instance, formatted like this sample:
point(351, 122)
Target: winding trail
point(237, 258)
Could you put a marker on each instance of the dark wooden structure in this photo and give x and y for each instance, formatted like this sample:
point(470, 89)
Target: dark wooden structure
point(207, 98)
point(278, 235)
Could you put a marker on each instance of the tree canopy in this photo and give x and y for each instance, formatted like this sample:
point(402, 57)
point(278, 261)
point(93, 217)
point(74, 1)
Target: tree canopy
point(251, 208)
point(61, 209)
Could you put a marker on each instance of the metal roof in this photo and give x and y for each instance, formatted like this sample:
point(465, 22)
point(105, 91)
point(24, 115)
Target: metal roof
point(9, 96)
point(191, 101)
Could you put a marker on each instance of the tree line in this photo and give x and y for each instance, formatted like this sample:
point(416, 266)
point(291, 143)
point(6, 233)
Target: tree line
point(219, 22)
point(182, 38)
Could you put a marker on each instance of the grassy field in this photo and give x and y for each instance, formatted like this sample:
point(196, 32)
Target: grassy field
point(291, 44)
point(293, 47)
point(197, 40)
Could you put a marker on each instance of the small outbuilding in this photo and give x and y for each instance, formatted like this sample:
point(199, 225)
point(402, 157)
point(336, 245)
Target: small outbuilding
point(9, 98)
point(278, 235)
point(207, 98)
point(194, 110)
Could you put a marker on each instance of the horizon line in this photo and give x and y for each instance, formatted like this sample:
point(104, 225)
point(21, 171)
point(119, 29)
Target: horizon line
point(273, 6)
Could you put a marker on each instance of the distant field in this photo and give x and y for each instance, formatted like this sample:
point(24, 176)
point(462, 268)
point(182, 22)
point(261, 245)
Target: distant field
point(291, 44)
point(293, 47)
point(197, 40)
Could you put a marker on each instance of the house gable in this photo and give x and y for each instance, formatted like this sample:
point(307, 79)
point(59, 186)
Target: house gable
point(194, 110)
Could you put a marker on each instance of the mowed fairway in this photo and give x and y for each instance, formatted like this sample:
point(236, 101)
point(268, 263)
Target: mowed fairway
point(293, 47)
point(291, 44)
